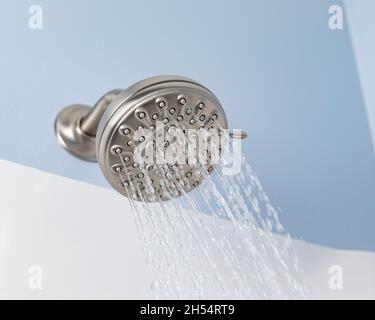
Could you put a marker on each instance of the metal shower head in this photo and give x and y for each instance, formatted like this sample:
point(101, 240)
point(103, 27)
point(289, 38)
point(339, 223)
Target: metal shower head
point(123, 125)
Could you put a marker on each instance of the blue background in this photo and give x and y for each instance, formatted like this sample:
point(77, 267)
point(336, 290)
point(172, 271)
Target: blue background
point(279, 71)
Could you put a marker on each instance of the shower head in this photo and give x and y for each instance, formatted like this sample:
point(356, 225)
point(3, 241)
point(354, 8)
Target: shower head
point(124, 129)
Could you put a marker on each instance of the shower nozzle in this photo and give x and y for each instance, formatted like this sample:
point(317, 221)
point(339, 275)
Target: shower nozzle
point(121, 132)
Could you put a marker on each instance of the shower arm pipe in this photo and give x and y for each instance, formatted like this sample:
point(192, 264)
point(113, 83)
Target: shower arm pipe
point(89, 123)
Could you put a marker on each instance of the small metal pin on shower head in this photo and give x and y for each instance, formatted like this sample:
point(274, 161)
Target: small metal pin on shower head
point(107, 133)
point(237, 134)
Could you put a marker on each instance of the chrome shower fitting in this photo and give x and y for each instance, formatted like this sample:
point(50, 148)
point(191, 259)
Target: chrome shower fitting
point(105, 133)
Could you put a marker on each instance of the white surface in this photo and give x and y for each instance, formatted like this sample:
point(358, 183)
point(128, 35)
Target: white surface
point(85, 240)
point(82, 236)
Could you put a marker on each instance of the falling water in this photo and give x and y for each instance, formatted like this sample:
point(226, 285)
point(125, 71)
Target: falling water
point(224, 240)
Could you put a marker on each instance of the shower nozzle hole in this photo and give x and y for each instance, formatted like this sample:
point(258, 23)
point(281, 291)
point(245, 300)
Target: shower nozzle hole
point(124, 130)
point(161, 102)
point(117, 168)
point(201, 105)
point(135, 165)
point(181, 100)
point(141, 115)
point(116, 150)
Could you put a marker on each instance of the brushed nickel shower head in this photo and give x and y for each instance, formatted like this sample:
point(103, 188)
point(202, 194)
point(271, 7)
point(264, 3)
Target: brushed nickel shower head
point(113, 131)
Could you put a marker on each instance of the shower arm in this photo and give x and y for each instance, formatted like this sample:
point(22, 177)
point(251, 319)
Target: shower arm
point(89, 123)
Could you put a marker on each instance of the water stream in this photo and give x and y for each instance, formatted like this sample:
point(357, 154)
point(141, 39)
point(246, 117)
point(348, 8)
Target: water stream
point(223, 240)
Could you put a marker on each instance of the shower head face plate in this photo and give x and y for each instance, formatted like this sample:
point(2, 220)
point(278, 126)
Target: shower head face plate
point(149, 118)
